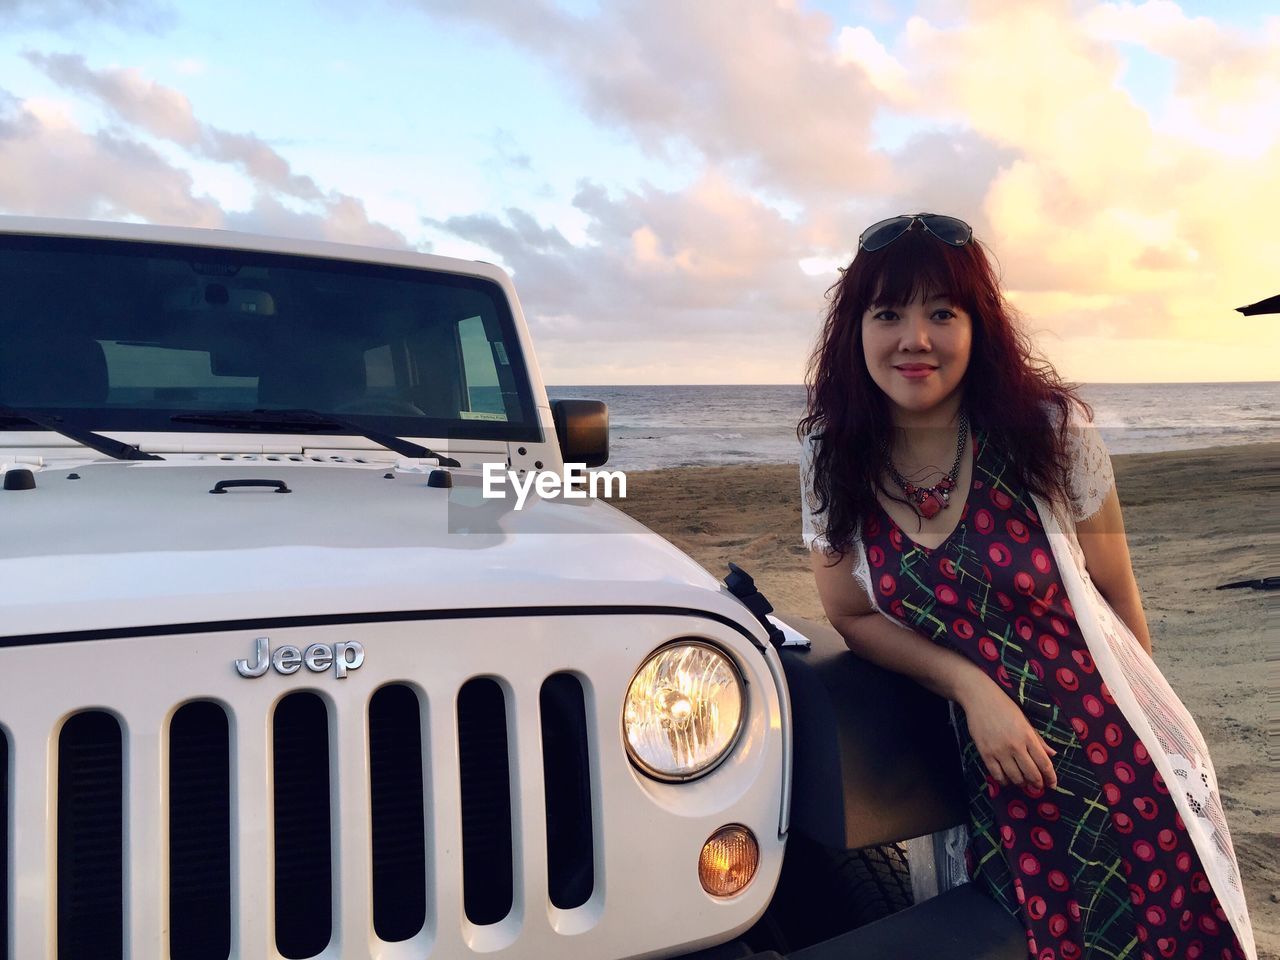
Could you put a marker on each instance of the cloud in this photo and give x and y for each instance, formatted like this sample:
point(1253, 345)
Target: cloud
point(1227, 81)
point(262, 162)
point(1210, 58)
point(859, 45)
point(758, 86)
point(669, 287)
point(1089, 196)
point(19, 14)
point(51, 168)
point(137, 100)
point(338, 217)
point(507, 153)
point(166, 113)
point(159, 111)
point(947, 170)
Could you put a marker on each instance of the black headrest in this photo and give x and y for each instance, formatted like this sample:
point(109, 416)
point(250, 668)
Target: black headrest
point(53, 372)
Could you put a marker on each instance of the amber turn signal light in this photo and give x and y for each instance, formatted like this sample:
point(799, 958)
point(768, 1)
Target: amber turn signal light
point(729, 860)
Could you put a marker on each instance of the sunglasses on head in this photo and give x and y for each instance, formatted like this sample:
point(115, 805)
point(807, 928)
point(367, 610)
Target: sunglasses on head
point(947, 229)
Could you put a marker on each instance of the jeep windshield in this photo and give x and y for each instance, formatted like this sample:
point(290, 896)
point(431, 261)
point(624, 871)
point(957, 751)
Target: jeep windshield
point(130, 336)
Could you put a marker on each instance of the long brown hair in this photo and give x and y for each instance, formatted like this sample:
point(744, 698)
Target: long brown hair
point(1010, 393)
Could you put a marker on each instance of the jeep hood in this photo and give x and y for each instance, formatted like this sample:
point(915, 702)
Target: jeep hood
point(119, 545)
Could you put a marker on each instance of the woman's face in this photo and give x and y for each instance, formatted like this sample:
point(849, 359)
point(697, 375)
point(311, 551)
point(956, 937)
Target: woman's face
point(917, 352)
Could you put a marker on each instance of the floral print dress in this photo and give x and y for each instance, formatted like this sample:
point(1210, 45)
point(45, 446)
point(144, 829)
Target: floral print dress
point(1101, 866)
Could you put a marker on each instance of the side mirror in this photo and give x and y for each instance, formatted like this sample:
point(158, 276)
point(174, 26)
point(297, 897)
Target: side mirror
point(582, 426)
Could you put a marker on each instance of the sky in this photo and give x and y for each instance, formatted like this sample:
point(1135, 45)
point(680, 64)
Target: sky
point(674, 185)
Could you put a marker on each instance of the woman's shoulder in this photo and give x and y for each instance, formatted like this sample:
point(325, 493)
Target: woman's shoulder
point(1091, 472)
point(813, 519)
point(1077, 415)
point(810, 442)
point(813, 507)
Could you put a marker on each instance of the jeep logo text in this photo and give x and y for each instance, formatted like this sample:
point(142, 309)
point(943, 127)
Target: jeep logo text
point(318, 657)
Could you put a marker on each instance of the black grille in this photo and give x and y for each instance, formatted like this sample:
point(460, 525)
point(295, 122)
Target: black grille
point(199, 834)
point(487, 878)
point(303, 853)
point(566, 777)
point(4, 846)
point(399, 834)
point(90, 838)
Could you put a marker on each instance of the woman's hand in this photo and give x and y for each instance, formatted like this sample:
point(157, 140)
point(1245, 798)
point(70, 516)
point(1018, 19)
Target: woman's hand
point(1011, 750)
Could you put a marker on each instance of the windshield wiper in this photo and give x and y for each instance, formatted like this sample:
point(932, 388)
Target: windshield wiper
point(86, 438)
point(310, 421)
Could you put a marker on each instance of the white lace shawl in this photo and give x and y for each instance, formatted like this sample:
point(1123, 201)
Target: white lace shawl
point(1140, 690)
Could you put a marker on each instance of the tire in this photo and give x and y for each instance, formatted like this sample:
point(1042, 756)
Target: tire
point(877, 879)
point(823, 893)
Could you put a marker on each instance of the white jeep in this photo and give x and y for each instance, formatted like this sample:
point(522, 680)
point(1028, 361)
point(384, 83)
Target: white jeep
point(278, 679)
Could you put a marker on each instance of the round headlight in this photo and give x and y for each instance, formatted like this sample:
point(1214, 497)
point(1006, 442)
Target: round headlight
point(683, 711)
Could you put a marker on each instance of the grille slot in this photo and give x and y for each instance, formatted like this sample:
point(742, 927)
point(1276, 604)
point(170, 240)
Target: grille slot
point(303, 845)
point(567, 782)
point(90, 838)
point(396, 799)
point(4, 845)
point(485, 773)
point(199, 833)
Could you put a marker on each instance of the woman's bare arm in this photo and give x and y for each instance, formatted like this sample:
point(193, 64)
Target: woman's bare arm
point(873, 637)
point(1106, 557)
point(1010, 748)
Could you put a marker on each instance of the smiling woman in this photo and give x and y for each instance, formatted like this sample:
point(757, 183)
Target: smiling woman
point(966, 532)
point(917, 353)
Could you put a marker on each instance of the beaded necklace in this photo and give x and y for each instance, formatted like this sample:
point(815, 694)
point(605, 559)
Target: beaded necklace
point(929, 501)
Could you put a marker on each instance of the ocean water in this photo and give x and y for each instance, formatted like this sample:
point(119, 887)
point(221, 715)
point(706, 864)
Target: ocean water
point(675, 426)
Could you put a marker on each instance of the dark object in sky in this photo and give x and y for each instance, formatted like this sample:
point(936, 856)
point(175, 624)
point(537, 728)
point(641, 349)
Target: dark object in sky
point(1269, 305)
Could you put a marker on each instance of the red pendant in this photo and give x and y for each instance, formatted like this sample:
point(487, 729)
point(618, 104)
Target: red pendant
point(929, 506)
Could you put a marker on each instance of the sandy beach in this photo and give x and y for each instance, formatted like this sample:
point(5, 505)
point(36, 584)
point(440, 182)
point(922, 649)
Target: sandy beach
point(1195, 519)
